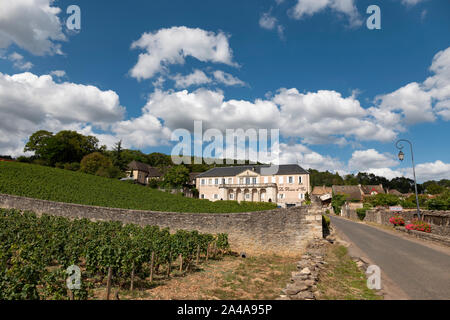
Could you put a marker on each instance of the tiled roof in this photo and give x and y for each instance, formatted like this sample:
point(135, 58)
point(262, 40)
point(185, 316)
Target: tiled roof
point(139, 166)
point(354, 192)
point(233, 171)
point(322, 190)
point(369, 189)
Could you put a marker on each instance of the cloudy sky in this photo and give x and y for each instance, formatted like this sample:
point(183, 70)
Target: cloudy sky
point(340, 94)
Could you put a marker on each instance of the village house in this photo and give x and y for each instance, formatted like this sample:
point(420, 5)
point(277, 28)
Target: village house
point(288, 187)
point(142, 172)
point(359, 192)
point(324, 194)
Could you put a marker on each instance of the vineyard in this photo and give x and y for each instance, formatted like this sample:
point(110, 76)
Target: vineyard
point(35, 253)
point(59, 185)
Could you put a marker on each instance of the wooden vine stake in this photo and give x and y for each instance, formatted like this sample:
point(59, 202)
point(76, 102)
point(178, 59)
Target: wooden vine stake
point(207, 252)
point(168, 264)
point(152, 262)
point(132, 279)
point(198, 255)
point(108, 283)
point(181, 262)
point(70, 293)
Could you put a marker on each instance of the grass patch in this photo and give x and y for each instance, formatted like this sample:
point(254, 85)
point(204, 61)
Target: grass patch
point(342, 279)
point(255, 278)
point(59, 185)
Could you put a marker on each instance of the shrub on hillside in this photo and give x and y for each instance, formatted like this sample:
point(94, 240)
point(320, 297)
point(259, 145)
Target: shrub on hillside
point(96, 163)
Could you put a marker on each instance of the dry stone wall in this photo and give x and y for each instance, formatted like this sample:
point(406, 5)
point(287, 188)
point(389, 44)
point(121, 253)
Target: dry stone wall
point(280, 231)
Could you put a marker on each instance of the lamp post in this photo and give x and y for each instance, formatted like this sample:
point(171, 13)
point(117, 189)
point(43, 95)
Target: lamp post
point(401, 157)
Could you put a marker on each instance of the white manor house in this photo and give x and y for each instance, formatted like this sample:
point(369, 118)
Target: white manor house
point(288, 187)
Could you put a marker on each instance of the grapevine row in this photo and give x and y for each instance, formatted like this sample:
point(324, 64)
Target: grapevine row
point(36, 251)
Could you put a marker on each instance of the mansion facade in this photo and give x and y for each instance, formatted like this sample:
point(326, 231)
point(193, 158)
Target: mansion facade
point(288, 187)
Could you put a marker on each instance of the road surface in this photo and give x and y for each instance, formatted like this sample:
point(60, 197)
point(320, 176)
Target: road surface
point(420, 271)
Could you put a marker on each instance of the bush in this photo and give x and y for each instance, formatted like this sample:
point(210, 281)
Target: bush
point(94, 162)
point(419, 225)
point(338, 201)
point(74, 166)
point(383, 200)
point(153, 183)
point(326, 222)
point(361, 213)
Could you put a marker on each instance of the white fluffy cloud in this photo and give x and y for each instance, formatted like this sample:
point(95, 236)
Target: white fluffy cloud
point(411, 2)
point(18, 61)
point(317, 117)
point(327, 117)
point(227, 79)
point(32, 25)
point(29, 102)
point(424, 171)
point(166, 47)
point(305, 8)
point(197, 78)
point(302, 155)
point(269, 22)
point(366, 160)
point(419, 102)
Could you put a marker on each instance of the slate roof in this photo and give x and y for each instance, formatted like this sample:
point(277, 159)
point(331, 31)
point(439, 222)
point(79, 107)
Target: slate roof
point(233, 171)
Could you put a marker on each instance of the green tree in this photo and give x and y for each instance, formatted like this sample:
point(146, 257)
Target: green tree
point(94, 162)
point(159, 160)
point(177, 176)
point(64, 147)
point(117, 156)
point(39, 143)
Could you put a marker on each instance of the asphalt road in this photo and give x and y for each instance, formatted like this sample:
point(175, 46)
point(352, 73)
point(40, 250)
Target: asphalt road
point(419, 270)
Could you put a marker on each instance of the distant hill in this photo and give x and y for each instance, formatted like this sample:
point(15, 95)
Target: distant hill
point(59, 185)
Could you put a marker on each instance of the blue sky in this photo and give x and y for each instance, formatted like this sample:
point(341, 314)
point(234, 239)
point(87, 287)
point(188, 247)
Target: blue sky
point(340, 93)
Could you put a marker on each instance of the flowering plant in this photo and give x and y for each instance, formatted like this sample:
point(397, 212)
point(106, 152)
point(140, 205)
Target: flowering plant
point(397, 221)
point(419, 225)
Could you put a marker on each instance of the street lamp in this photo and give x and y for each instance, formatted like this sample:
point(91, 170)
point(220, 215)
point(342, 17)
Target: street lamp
point(401, 157)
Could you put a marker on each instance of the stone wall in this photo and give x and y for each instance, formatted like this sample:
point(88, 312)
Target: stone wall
point(280, 231)
point(439, 220)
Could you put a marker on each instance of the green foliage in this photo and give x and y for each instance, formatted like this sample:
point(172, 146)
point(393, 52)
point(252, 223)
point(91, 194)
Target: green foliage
point(64, 147)
point(176, 177)
point(74, 187)
point(93, 162)
point(441, 202)
point(338, 201)
point(117, 157)
point(325, 178)
point(361, 213)
point(383, 200)
point(432, 187)
point(35, 252)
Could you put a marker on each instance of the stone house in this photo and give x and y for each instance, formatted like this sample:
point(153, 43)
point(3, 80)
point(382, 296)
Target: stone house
point(354, 193)
point(359, 192)
point(288, 187)
point(142, 172)
point(372, 190)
